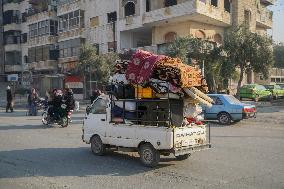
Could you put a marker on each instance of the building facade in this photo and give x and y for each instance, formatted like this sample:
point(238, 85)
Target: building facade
point(14, 37)
point(45, 36)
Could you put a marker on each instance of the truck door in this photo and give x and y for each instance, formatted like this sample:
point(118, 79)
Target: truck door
point(96, 119)
point(121, 135)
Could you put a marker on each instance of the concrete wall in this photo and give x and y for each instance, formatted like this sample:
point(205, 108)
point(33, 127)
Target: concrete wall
point(276, 76)
point(184, 29)
point(103, 33)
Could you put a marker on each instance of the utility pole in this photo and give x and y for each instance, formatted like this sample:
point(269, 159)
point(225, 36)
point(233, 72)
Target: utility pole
point(113, 32)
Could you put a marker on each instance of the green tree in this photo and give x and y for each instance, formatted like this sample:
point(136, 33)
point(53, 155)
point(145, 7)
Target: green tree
point(248, 51)
point(189, 48)
point(100, 66)
point(278, 51)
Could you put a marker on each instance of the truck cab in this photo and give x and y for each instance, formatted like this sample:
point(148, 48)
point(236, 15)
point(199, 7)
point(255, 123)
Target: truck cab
point(155, 130)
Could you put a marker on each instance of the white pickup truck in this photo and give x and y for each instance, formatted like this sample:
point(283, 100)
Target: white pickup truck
point(103, 132)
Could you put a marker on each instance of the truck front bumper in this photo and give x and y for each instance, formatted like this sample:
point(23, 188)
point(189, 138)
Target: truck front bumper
point(190, 149)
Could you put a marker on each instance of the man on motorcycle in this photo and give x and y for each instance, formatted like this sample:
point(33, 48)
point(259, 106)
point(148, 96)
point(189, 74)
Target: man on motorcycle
point(55, 103)
point(57, 110)
point(70, 102)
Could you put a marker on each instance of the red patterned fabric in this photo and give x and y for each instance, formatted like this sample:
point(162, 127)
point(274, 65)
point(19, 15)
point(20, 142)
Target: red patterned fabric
point(141, 67)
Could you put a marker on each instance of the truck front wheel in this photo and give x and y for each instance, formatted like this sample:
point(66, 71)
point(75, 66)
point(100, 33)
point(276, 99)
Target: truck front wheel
point(97, 146)
point(149, 156)
point(182, 157)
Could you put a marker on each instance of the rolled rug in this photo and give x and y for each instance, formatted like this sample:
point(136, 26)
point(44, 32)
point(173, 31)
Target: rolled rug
point(196, 97)
point(201, 94)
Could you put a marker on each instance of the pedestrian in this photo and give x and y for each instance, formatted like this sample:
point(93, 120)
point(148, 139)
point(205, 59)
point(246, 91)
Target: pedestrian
point(9, 100)
point(32, 102)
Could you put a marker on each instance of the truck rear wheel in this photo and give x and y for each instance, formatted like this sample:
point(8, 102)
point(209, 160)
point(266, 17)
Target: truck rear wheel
point(149, 156)
point(182, 157)
point(97, 146)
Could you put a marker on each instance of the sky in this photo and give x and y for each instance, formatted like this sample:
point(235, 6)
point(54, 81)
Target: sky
point(278, 21)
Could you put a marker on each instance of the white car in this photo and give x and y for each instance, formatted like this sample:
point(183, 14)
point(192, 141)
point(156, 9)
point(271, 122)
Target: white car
point(102, 133)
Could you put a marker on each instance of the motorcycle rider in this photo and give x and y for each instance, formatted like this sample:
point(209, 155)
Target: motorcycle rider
point(55, 103)
point(69, 101)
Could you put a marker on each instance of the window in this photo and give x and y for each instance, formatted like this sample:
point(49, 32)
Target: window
point(170, 37)
point(53, 27)
point(94, 22)
point(111, 17)
point(273, 80)
point(214, 3)
point(148, 5)
point(218, 101)
point(247, 19)
point(24, 17)
point(99, 106)
point(70, 48)
point(129, 9)
point(31, 55)
point(24, 37)
point(169, 3)
point(218, 38)
point(112, 46)
point(200, 34)
point(227, 5)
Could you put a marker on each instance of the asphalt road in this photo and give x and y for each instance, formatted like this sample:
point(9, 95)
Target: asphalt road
point(249, 154)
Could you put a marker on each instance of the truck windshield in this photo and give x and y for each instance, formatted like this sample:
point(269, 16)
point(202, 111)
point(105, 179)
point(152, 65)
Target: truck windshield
point(99, 106)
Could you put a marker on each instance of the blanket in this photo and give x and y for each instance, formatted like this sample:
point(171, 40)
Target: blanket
point(140, 69)
point(174, 71)
point(121, 66)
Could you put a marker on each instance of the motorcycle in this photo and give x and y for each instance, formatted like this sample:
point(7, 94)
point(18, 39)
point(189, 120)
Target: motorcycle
point(58, 116)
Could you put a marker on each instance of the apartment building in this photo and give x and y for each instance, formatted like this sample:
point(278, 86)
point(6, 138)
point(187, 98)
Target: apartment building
point(2, 51)
point(14, 37)
point(47, 35)
point(42, 41)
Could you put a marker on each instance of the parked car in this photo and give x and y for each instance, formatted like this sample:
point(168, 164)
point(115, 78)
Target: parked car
point(227, 109)
point(255, 92)
point(276, 90)
point(281, 85)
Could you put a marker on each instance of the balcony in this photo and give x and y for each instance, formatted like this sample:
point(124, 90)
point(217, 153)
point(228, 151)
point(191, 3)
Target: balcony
point(194, 10)
point(71, 34)
point(12, 26)
point(43, 65)
point(190, 10)
point(264, 19)
point(267, 2)
point(13, 68)
point(130, 22)
point(42, 40)
point(69, 6)
point(11, 6)
point(32, 18)
point(12, 47)
point(68, 60)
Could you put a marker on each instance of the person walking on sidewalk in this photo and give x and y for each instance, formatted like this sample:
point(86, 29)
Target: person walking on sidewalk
point(32, 102)
point(9, 100)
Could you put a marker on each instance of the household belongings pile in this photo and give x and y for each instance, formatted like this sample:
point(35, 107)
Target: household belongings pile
point(148, 75)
